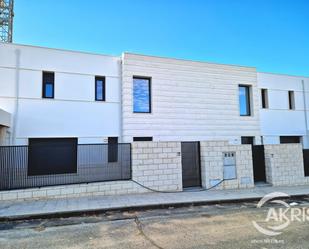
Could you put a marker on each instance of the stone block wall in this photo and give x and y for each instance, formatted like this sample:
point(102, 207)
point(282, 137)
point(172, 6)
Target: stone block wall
point(73, 190)
point(157, 165)
point(284, 164)
point(212, 165)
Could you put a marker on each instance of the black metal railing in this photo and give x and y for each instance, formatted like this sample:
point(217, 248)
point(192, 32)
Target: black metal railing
point(94, 164)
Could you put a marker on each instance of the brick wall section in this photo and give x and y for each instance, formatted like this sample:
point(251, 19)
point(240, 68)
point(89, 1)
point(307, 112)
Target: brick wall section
point(157, 165)
point(284, 164)
point(212, 165)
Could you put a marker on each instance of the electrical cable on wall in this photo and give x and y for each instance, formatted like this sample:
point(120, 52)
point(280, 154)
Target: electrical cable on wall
point(162, 191)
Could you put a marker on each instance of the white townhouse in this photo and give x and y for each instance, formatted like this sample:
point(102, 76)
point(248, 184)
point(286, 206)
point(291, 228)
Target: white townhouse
point(53, 93)
point(284, 104)
point(79, 112)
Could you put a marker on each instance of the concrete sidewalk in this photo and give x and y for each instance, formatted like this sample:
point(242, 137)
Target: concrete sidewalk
point(74, 206)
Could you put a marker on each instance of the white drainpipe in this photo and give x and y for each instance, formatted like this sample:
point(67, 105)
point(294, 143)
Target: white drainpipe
point(16, 107)
point(305, 113)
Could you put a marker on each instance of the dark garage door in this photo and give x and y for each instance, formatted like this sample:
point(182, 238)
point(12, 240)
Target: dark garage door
point(306, 161)
point(191, 170)
point(48, 156)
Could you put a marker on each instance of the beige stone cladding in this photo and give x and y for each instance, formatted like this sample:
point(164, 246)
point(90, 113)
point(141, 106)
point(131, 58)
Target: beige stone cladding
point(212, 163)
point(284, 164)
point(157, 165)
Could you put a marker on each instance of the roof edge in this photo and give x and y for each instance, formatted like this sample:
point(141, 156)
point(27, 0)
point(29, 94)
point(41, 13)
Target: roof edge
point(188, 60)
point(59, 49)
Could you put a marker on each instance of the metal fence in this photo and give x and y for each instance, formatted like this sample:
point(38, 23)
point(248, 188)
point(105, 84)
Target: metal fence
point(93, 165)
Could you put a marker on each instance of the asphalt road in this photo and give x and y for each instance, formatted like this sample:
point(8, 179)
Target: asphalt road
point(216, 226)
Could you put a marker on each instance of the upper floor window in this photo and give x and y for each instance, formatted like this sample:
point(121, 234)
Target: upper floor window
point(48, 85)
point(141, 95)
point(100, 88)
point(244, 100)
point(264, 96)
point(291, 100)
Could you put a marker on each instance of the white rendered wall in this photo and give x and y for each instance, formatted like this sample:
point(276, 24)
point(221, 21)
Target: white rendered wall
point(278, 120)
point(190, 100)
point(73, 112)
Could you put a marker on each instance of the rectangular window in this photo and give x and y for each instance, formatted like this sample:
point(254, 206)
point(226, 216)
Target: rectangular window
point(49, 156)
point(140, 139)
point(247, 140)
point(291, 100)
point(244, 100)
point(112, 149)
point(289, 139)
point(264, 95)
point(48, 85)
point(141, 95)
point(99, 88)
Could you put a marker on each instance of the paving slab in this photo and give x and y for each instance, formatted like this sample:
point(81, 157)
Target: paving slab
point(12, 210)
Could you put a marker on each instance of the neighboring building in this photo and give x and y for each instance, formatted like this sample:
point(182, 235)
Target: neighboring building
point(284, 108)
point(5, 123)
point(57, 93)
point(179, 100)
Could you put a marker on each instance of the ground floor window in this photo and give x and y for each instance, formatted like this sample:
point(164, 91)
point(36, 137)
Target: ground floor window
point(139, 139)
point(112, 149)
point(247, 140)
point(48, 156)
point(289, 139)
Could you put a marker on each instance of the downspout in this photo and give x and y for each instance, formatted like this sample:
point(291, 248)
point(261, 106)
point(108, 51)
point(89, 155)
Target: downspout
point(120, 102)
point(16, 107)
point(305, 111)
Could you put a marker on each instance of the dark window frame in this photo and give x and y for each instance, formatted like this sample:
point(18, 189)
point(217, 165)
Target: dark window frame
point(248, 100)
point(150, 95)
point(45, 81)
point(264, 98)
point(248, 140)
point(142, 139)
point(100, 78)
point(290, 139)
point(291, 100)
point(112, 149)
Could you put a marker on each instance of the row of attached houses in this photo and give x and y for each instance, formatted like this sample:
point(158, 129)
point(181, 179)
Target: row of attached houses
point(71, 117)
point(57, 93)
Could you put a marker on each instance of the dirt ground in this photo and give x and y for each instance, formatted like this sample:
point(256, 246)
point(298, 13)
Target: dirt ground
point(216, 226)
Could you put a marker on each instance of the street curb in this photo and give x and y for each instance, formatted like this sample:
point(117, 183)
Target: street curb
point(75, 213)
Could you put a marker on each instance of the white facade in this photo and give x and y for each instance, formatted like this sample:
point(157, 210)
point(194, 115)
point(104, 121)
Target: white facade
point(190, 101)
point(73, 112)
point(277, 119)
